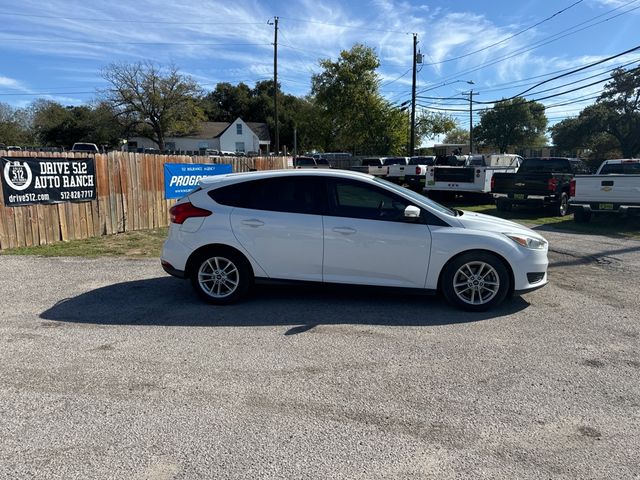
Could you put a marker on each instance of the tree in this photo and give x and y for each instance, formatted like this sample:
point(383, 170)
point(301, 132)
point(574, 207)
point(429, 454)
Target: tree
point(56, 125)
point(15, 126)
point(611, 126)
point(457, 135)
point(512, 123)
point(158, 101)
point(430, 124)
point(352, 114)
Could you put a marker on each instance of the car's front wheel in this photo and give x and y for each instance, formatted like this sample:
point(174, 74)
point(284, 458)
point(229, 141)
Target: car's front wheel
point(475, 281)
point(220, 277)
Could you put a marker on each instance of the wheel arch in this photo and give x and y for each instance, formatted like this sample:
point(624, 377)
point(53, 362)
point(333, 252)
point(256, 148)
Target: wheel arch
point(500, 257)
point(215, 247)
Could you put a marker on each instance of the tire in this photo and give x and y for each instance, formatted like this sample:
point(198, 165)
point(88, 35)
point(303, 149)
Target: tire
point(221, 277)
point(503, 205)
point(563, 205)
point(475, 281)
point(581, 216)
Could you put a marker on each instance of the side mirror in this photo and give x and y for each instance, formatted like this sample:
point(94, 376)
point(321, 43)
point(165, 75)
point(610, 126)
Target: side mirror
point(411, 212)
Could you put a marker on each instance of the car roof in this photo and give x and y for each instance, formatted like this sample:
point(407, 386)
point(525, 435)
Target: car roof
point(243, 176)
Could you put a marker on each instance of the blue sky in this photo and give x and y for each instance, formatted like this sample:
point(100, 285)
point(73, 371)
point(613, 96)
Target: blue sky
point(56, 48)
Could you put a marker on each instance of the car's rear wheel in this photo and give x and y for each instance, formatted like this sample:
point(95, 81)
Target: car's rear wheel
point(220, 277)
point(475, 281)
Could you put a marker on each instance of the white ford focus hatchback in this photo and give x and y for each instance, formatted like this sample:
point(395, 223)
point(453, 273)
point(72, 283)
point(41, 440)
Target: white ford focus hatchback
point(340, 227)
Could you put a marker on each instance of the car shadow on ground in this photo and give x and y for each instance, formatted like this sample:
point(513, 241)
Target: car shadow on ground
point(168, 301)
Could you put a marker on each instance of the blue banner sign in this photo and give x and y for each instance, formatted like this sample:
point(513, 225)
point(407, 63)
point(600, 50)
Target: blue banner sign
point(181, 178)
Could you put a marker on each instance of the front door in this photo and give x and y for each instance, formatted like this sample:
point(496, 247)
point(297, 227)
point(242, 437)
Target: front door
point(368, 241)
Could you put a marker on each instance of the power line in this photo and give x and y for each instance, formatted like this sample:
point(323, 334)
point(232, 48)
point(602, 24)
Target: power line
point(367, 28)
point(541, 43)
point(507, 38)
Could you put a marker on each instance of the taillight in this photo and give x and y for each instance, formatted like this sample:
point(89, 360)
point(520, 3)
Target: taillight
point(572, 188)
point(493, 183)
point(418, 170)
point(179, 213)
point(552, 184)
point(431, 172)
point(478, 173)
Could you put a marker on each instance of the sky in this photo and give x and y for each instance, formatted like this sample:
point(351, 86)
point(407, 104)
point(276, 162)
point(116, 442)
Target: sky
point(56, 49)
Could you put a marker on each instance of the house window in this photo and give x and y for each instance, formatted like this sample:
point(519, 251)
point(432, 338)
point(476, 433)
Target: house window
point(239, 128)
point(239, 146)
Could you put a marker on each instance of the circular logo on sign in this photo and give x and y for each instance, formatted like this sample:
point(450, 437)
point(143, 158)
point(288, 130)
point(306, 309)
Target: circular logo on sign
point(17, 175)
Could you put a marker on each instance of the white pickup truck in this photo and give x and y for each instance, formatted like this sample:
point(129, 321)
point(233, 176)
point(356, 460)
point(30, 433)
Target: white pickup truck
point(615, 188)
point(415, 173)
point(474, 176)
point(395, 168)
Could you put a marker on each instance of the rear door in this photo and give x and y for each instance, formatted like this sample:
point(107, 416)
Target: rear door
point(280, 225)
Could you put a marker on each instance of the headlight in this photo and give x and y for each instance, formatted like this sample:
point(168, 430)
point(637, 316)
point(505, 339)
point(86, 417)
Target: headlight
point(527, 241)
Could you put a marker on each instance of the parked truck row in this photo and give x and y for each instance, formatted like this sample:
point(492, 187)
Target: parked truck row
point(561, 183)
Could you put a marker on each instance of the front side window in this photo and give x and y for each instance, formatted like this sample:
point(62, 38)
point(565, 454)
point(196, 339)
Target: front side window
point(349, 198)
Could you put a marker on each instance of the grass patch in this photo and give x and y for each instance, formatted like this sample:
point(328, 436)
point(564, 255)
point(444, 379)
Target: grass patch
point(141, 244)
point(609, 225)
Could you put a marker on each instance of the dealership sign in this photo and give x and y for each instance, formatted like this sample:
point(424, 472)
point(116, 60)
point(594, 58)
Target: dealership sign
point(182, 178)
point(27, 181)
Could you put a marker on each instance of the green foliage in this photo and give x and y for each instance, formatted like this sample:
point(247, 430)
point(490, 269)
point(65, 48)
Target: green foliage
point(512, 123)
point(610, 127)
point(457, 135)
point(157, 102)
point(431, 124)
point(352, 114)
point(56, 125)
point(15, 128)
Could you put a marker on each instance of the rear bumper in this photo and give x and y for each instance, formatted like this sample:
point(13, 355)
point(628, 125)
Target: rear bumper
point(539, 199)
point(621, 209)
point(171, 270)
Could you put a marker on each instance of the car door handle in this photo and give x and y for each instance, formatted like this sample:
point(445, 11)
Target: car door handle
point(254, 222)
point(345, 230)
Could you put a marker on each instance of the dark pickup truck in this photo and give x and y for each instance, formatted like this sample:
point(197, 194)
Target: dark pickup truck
point(541, 181)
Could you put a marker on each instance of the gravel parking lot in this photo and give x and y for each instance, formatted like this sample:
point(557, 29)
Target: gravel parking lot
point(111, 369)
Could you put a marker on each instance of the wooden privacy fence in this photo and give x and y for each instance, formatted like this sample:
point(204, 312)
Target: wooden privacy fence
point(130, 196)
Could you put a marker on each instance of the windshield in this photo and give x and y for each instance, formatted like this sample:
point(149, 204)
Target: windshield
point(420, 199)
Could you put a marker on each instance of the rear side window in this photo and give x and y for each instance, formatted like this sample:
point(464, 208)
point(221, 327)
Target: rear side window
point(294, 194)
point(235, 195)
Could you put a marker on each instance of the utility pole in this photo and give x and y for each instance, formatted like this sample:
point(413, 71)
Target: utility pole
point(275, 83)
point(471, 122)
point(412, 138)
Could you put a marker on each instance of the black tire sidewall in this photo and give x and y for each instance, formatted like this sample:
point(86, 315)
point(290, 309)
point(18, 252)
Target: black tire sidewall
point(243, 275)
point(564, 200)
point(452, 267)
